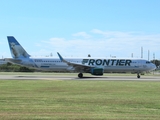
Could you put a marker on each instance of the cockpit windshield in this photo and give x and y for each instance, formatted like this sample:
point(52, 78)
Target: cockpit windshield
point(147, 62)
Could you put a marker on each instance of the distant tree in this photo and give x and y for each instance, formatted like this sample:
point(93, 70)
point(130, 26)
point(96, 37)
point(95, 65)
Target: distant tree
point(25, 69)
point(156, 62)
point(14, 68)
point(9, 64)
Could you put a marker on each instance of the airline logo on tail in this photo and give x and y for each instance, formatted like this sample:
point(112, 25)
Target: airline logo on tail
point(16, 49)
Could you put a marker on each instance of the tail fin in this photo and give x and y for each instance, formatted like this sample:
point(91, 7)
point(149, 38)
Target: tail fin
point(17, 51)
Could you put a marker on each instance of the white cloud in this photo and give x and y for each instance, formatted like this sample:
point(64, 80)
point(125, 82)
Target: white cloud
point(82, 34)
point(115, 43)
point(111, 34)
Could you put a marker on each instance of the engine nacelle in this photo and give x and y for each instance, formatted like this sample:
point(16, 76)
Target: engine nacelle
point(97, 71)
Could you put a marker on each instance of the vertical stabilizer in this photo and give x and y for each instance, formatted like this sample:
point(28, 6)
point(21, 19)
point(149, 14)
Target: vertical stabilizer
point(17, 51)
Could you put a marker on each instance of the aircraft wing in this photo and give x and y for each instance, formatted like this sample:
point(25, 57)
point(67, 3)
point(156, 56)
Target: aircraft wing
point(77, 66)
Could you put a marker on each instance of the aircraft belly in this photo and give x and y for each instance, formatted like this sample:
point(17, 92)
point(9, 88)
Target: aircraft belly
point(123, 69)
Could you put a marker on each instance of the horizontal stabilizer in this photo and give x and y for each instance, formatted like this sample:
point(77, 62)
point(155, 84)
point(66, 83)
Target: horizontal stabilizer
point(14, 61)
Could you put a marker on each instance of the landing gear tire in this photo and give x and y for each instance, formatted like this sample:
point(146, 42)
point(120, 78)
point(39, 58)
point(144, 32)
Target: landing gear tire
point(80, 75)
point(138, 76)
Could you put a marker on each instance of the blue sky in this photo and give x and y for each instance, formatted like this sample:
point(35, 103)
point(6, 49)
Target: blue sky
point(102, 28)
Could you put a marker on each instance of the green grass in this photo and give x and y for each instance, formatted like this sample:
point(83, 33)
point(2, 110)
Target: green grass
point(80, 100)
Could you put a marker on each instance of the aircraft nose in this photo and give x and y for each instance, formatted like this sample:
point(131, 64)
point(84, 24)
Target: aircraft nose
point(153, 66)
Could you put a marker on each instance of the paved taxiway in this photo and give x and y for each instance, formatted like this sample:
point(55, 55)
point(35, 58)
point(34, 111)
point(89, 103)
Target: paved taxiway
point(71, 77)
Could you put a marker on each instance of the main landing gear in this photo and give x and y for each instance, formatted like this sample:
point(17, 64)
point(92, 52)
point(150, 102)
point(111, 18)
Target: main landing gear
point(80, 75)
point(138, 76)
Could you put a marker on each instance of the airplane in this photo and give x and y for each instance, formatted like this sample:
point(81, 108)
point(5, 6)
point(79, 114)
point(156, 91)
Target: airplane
point(98, 66)
point(95, 66)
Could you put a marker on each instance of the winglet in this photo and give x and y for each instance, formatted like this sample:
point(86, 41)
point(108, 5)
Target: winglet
point(60, 57)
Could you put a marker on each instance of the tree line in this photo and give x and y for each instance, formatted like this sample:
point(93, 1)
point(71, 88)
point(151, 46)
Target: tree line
point(156, 62)
point(9, 67)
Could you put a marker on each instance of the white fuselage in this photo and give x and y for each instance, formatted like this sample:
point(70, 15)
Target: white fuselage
point(107, 64)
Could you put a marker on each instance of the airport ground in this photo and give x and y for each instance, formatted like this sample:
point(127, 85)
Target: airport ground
point(154, 76)
point(65, 96)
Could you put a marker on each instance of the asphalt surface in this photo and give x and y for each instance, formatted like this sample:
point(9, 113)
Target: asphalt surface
point(72, 77)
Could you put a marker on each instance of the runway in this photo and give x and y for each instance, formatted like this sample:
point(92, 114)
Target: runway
point(74, 77)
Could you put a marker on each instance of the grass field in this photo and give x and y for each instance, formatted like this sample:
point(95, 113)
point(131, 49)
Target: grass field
point(80, 100)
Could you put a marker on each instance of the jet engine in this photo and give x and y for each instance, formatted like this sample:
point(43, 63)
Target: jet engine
point(97, 71)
